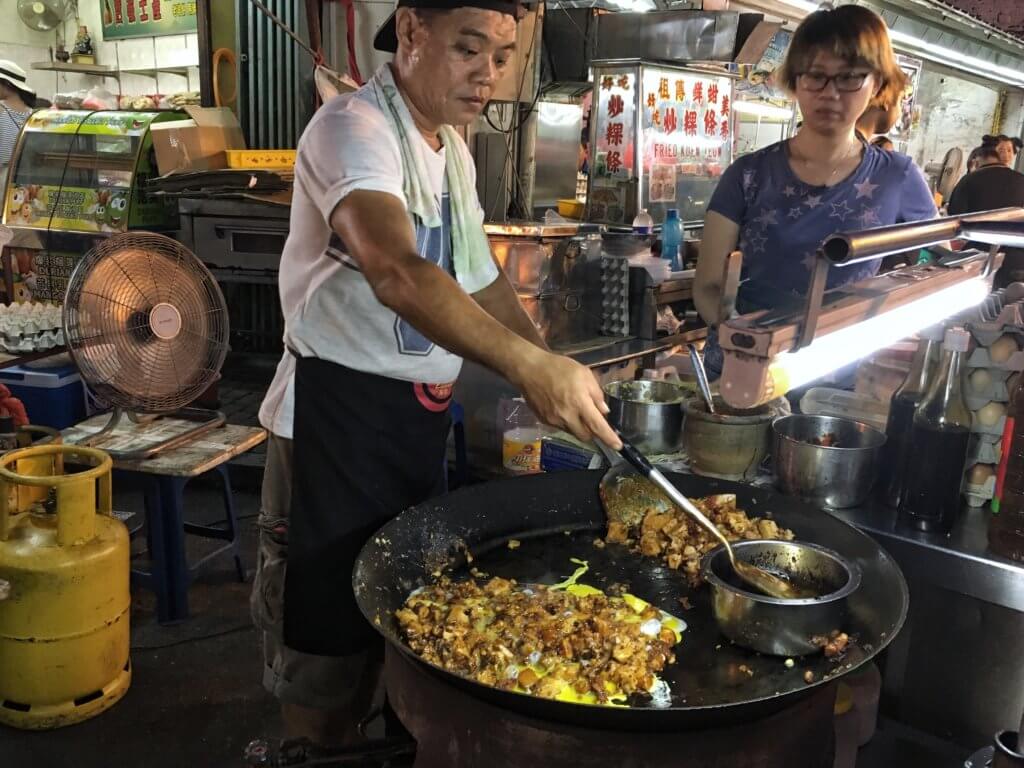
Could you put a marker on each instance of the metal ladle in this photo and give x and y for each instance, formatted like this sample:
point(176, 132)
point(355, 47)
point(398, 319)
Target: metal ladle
point(702, 376)
point(627, 498)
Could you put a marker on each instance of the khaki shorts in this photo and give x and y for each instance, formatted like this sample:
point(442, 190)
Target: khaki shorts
point(320, 682)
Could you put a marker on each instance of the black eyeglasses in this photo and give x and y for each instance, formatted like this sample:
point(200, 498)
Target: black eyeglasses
point(845, 82)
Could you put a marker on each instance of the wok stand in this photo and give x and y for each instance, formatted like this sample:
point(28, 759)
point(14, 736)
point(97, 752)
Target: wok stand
point(472, 733)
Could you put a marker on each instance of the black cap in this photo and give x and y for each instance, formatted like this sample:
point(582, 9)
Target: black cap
point(386, 38)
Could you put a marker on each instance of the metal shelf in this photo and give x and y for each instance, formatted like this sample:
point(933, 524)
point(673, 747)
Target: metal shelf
point(79, 69)
point(154, 71)
point(105, 71)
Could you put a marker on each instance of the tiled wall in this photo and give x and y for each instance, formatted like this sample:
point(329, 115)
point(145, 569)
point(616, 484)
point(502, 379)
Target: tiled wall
point(26, 46)
point(955, 113)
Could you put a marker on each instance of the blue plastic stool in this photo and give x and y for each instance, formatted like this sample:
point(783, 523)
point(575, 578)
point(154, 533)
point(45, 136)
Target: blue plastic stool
point(165, 538)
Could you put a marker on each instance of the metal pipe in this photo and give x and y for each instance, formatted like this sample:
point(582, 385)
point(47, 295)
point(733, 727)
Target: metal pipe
point(846, 248)
point(1008, 233)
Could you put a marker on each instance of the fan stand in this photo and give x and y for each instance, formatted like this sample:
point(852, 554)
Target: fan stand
point(206, 421)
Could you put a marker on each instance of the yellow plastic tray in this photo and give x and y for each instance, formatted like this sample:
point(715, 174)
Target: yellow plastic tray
point(260, 158)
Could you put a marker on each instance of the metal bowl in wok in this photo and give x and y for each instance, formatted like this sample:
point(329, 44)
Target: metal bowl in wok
point(558, 516)
point(781, 627)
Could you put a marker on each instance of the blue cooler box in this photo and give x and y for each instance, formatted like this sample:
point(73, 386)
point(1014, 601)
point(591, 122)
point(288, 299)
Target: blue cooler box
point(53, 397)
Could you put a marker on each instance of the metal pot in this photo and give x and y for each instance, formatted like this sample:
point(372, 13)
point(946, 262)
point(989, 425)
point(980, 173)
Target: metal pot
point(838, 475)
point(770, 625)
point(728, 444)
point(648, 413)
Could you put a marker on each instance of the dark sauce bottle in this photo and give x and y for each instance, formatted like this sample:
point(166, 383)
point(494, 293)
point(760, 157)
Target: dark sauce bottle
point(904, 402)
point(938, 445)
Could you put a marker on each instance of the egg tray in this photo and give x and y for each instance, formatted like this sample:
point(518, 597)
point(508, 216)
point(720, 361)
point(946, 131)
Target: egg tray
point(976, 403)
point(996, 430)
point(26, 327)
point(614, 296)
point(996, 317)
point(983, 450)
point(41, 342)
point(977, 495)
point(980, 358)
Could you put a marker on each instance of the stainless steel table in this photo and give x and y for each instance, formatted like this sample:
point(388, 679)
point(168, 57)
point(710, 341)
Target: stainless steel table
point(957, 668)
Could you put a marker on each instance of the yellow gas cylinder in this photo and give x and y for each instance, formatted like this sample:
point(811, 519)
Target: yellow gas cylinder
point(64, 597)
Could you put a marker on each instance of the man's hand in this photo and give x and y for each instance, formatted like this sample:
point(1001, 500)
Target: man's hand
point(566, 395)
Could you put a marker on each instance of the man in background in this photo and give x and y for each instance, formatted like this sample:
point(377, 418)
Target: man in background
point(992, 185)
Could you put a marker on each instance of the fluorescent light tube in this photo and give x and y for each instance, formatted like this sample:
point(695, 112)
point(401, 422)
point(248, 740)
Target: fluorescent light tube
point(831, 352)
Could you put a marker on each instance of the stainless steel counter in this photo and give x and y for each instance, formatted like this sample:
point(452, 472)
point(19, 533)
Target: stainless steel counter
point(959, 562)
point(957, 668)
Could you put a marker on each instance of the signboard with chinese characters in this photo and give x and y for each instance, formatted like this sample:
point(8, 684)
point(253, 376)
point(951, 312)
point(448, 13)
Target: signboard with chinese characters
point(661, 138)
point(686, 139)
point(147, 18)
point(613, 147)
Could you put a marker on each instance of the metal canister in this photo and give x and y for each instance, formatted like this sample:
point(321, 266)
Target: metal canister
point(648, 413)
point(64, 593)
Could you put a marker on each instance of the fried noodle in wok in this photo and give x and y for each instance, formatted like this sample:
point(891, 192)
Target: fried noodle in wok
point(573, 644)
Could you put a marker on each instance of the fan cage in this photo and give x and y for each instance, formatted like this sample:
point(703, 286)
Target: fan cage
point(109, 323)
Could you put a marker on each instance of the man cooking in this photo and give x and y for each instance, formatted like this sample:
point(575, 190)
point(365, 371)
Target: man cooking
point(386, 283)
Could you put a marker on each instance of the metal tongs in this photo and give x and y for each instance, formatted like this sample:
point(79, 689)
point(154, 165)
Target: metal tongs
point(626, 500)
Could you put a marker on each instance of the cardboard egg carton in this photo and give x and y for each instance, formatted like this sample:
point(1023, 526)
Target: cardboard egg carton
point(984, 449)
point(995, 431)
point(996, 392)
point(995, 316)
point(977, 495)
point(980, 358)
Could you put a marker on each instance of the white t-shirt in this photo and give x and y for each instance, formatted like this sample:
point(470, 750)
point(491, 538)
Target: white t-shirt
point(330, 311)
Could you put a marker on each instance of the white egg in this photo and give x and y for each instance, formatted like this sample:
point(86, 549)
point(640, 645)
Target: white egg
point(980, 473)
point(980, 380)
point(989, 415)
point(1002, 348)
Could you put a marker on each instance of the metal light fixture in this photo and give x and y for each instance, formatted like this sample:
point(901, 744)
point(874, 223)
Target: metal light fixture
point(767, 353)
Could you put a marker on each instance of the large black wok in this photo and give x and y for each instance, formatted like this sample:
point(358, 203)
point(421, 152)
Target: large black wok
point(557, 517)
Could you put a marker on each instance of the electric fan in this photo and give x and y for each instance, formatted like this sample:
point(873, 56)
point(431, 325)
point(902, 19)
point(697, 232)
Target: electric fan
point(43, 15)
point(147, 326)
point(946, 174)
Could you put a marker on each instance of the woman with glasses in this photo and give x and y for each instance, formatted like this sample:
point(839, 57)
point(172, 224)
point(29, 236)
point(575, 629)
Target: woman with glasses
point(778, 204)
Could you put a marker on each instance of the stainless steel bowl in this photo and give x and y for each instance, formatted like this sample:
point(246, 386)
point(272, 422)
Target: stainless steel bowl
point(648, 413)
point(768, 624)
point(840, 474)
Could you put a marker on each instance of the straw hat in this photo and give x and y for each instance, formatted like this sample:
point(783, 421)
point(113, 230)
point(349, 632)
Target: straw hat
point(15, 75)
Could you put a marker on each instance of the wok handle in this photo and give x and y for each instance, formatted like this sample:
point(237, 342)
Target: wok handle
point(645, 468)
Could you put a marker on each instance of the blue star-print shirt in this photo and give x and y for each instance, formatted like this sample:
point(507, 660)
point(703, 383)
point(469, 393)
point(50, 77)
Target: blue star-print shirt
point(783, 220)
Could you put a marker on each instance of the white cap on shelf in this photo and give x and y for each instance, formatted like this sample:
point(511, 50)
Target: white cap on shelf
point(957, 340)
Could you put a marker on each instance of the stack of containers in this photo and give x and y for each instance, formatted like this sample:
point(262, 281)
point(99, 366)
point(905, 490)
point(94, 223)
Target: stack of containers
point(993, 370)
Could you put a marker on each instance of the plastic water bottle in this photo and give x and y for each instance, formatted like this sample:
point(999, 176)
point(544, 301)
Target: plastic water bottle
point(671, 236)
point(643, 224)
